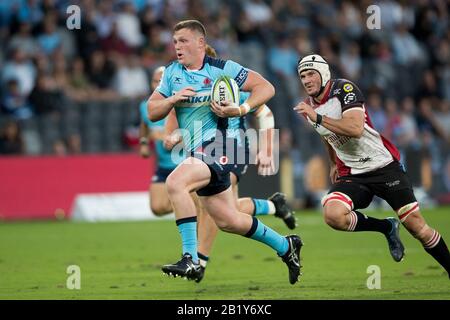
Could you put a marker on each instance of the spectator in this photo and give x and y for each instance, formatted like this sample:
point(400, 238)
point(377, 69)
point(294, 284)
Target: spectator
point(24, 40)
point(50, 39)
point(128, 26)
point(21, 69)
point(376, 112)
point(47, 97)
point(131, 79)
point(11, 142)
point(351, 62)
point(14, 103)
point(113, 43)
point(104, 19)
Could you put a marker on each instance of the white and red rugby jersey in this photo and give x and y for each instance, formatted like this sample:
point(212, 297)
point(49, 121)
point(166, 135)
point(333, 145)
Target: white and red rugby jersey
point(353, 155)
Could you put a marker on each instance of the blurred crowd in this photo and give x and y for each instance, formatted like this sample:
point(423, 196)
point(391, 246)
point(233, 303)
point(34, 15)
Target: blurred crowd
point(403, 68)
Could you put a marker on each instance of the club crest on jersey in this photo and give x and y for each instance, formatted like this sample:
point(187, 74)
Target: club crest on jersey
point(207, 83)
point(348, 87)
point(349, 98)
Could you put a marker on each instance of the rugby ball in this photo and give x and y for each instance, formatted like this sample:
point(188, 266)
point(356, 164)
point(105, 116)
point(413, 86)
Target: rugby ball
point(225, 89)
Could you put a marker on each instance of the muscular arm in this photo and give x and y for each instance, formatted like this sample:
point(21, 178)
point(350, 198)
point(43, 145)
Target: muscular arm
point(260, 89)
point(351, 124)
point(159, 107)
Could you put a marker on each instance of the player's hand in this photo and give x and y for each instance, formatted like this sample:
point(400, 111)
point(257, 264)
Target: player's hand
point(225, 109)
point(305, 109)
point(266, 165)
point(333, 174)
point(171, 140)
point(144, 151)
point(182, 95)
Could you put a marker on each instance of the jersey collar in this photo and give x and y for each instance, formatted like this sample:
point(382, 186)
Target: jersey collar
point(326, 96)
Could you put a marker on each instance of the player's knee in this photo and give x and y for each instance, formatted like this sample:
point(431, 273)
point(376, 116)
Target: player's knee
point(173, 184)
point(160, 208)
point(334, 217)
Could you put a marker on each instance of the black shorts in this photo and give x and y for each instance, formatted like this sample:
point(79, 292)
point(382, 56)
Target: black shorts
point(239, 170)
point(390, 183)
point(221, 165)
point(161, 175)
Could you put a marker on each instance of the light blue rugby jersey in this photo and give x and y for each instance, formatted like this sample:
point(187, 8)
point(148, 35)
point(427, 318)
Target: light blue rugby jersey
point(195, 114)
point(164, 156)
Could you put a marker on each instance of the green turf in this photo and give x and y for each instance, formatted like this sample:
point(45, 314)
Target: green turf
point(123, 260)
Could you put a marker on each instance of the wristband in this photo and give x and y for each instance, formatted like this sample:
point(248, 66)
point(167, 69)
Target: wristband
point(244, 109)
point(143, 140)
point(319, 119)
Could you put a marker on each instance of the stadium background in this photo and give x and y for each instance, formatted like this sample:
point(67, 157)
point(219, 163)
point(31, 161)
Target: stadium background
point(69, 98)
point(68, 146)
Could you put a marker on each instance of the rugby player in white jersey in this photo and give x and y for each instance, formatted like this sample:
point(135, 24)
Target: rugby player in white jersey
point(363, 163)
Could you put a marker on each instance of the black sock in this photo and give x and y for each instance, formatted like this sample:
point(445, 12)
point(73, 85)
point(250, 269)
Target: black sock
point(361, 222)
point(437, 248)
point(203, 259)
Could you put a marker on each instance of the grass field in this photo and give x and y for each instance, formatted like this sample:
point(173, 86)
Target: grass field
point(123, 260)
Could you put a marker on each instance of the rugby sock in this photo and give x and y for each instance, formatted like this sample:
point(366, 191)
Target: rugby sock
point(187, 227)
point(263, 207)
point(361, 222)
point(264, 234)
point(203, 259)
point(437, 248)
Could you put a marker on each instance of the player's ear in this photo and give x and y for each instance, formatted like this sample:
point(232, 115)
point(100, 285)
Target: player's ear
point(202, 42)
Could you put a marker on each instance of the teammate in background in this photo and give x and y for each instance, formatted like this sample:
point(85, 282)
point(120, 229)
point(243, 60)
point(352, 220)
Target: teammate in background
point(276, 204)
point(363, 163)
point(186, 87)
point(159, 199)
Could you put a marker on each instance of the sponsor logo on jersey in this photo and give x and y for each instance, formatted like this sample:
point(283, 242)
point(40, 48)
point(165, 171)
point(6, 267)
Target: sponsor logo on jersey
point(349, 98)
point(393, 183)
point(241, 77)
point(177, 80)
point(364, 160)
point(223, 160)
point(337, 91)
point(348, 87)
point(336, 140)
point(191, 79)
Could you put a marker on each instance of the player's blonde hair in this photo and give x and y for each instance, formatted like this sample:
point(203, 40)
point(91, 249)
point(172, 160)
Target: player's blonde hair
point(210, 51)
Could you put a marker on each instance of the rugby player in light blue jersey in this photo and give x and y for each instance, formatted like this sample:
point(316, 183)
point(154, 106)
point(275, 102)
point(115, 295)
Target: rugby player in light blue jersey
point(185, 87)
point(159, 199)
point(276, 204)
